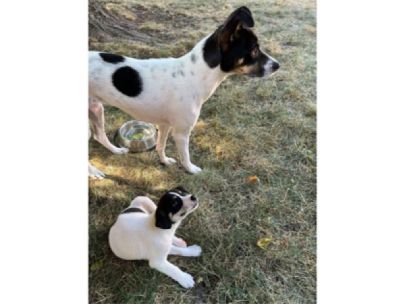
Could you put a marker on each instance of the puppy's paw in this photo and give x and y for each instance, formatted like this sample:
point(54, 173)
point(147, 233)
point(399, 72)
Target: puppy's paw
point(193, 169)
point(120, 150)
point(179, 242)
point(194, 250)
point(167, 161)
point(186, 280)
point(96, 173)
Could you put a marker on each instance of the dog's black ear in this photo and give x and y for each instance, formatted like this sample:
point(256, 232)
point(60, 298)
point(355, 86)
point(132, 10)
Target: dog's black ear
point(241, 17)
point(162, 219)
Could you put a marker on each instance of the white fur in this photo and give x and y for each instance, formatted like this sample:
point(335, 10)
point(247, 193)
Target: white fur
point(134, 236)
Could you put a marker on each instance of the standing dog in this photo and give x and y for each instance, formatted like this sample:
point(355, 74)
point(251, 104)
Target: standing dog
point(170, 92)
point(144, 232)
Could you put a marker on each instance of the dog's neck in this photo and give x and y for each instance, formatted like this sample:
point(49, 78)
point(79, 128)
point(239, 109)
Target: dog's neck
point(207, 78)
point(173, 225)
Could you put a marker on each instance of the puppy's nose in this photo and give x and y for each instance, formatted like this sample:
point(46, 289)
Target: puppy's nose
point(275, 66)
point(193, 198)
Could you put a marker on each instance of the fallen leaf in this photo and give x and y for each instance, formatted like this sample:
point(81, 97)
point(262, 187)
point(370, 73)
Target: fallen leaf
point(263, 243)
point(253, 180)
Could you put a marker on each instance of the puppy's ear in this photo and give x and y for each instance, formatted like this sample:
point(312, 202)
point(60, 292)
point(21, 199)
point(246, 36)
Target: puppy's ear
point(162, 219)
point(242, 17)
point(181, 189)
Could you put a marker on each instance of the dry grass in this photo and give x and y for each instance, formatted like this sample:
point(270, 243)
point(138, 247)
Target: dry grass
point(262, 127)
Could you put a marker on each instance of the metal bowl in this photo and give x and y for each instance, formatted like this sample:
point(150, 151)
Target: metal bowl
point(137, 136)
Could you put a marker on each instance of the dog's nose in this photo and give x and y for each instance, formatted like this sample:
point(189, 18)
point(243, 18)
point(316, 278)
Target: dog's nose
point(193, 198)
point(275, 66)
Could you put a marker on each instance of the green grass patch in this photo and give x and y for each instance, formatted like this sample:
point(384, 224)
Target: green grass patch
point(249, 127)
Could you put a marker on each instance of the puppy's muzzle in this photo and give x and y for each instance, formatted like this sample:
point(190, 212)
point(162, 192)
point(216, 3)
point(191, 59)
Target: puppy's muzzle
point(195, 201)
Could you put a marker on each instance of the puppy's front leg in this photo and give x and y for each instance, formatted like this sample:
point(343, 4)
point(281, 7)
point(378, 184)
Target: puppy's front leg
point(190, 251)
point(161, 145)
point(183, 278)
point(182, 143)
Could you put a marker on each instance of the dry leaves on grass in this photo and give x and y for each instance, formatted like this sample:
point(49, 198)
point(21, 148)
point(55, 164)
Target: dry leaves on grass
point(263, 243)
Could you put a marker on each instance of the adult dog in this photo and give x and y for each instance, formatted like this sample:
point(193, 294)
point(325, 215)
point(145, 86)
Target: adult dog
point(170, 92)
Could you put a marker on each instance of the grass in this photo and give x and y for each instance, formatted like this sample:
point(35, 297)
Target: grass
point(249, 127)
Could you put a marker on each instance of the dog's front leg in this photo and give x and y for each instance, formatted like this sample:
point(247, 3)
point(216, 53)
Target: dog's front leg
point(183, 278)
point(161, 145)
point(190, 251)
point(182, 139)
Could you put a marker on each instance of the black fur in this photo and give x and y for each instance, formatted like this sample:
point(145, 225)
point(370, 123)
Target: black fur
point(111, 58)
point(211, 51)
point(132, 209)
point(233, 41)
point(180, 190)
point(127, 81)
point(168, 204)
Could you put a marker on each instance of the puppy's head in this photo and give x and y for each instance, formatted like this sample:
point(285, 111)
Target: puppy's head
point(236, 48)
point(174, 206)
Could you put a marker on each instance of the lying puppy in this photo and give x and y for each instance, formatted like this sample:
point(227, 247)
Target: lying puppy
point(144, 232)
point(170, 92)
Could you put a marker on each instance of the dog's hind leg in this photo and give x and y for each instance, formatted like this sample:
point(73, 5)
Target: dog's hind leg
point(93, 171)
point(163, 133)
point(96, 115)
point(182, 139)
point(145, 203)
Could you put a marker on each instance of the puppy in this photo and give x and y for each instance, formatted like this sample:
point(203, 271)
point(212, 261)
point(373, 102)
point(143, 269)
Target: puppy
point(170, 92)
point(144, 232)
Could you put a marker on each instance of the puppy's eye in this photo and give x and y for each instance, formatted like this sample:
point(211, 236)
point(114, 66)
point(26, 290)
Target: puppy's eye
point(182, 214)
point(255, 52)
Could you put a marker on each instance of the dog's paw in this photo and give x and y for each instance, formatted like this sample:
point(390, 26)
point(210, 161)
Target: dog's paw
point(194, 250)
point(120, 150)
point(180, 242)
point(193, 169)
point(167, 161)
point(186, 280)
point(96, 173)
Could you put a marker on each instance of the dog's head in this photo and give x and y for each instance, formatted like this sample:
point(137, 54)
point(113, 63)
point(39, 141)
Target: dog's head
point(174, 206)
point(236, 48)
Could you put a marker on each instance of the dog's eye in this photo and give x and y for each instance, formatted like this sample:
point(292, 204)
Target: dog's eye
point(182, 214)
point(255, 52)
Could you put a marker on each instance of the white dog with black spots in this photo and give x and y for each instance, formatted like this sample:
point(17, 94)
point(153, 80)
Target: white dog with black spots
point(169, 92)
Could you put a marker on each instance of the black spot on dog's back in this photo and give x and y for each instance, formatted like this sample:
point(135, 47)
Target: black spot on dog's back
point(127, 81)
point(112, 58)
point(193, 58)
